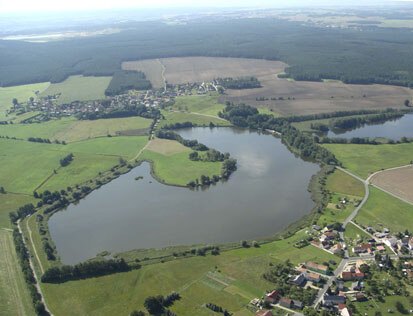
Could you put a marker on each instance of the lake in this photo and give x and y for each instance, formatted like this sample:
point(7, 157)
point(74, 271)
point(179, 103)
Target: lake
point(395, 129)
point(266, 194)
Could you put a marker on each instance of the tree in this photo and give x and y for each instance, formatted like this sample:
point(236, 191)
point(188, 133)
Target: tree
point(406, 103)
point(31, 99)
point(15, 102)
point(2, 190)
point(154, 305)
point(137, 313)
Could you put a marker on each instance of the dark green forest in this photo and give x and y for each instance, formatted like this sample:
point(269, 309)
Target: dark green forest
point(369, 55)
point(123, 81)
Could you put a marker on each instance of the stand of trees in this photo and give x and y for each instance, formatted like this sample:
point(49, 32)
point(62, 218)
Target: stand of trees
point(123, 81)
point(157, 305)
point(217, 309)
point(240, 83)
point(127, 111)
point(39, 140)
point(188, 143)
point(85, 270)
point(351, 122)
point(210, 155)
point(66, 160)
point(247, 116)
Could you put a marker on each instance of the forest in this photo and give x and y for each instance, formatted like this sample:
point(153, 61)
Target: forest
point(364, 55)
point(240, 83)
point(122, 81)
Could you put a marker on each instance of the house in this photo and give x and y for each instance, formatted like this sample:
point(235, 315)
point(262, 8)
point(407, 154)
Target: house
point(273, 297)
point(360, 297)
point(313, 277)
point(316, 228)
point(286, 302)
point(327, 236)
point(345, 312)
point(381, 248)
point(340, 285)
point(297, 304)
point(337, 249)
point(298, 280)
point(333, 299)
point(390, 241)
point(357, 286)
point(363, 248)
point(263, 312)
point(315, 267)
point(350, 276)
point(411, 243)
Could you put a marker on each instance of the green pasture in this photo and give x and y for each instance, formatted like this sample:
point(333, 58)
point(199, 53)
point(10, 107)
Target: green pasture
point(341, 182)
point(200, 104)
point(201, 120)
point(363, 160)
point(78, 88)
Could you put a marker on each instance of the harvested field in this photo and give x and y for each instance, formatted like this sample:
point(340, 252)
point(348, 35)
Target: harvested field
point(166, 147)
point(318, 97)
point(397, 181)
point(198, 69)
point(152, 68)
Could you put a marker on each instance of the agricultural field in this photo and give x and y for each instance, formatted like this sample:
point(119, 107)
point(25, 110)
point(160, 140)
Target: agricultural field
point(71, 130)
point(21, 93)
point(198, 104)
point(230, 280)
point(15, 298)
point(172, 165)
point(167, 147)
point(397, 181)
point(152, 68)
point(341, 182)
point(78, 88)
point(383, 210)
point(198, 119)
point(364, 160)
point(303, 97)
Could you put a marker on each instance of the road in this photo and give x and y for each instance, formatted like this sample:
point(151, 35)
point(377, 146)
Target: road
point(34, 271)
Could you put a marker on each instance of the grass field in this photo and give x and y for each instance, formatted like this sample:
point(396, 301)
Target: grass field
point(21, 93)
point(178, 169)
point(70, 129)
point(332, 214)
point(201, 120)
point(15, 299)
point(383, 210)
point(366, 159)
point(78, 88)
point(199, 104)
point(241, 269)
point(341, 182)
point(9, 203)
point(167, 147)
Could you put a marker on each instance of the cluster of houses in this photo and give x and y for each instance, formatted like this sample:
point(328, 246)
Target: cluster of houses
point(329, 240)
point(399, 242)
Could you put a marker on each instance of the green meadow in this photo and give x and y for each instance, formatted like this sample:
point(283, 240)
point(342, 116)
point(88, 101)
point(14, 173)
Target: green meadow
point(363, 160)
point(201, 120)
point(341, 182)
point(78, 88)
point(200, 104)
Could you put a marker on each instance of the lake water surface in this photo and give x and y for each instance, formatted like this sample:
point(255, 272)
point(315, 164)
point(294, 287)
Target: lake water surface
point(392, 129)
point(266, 194)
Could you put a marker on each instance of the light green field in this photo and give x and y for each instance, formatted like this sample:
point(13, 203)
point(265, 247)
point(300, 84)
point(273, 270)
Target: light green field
point(178, 169)
point(70, 129)
point(333, 215)
point(341, 182)
point(382, 208)
point(15, 298)
point(181, 117)
point(267, 111)
point(79, 88)
point(199, 104)
point(366, 159)
point(9, 203)
point(123, 292)
point(21, 93)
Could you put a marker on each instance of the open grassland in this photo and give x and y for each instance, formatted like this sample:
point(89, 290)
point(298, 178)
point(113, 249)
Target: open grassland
point(383, 210)
point(343, 183)
point(230, 280)
point(335, 212)
point(9, 203)
point(397, 181)
point(71, 130)
point(302, 97)
point(78, 88)
point(178, 169)
point(152, 68)
point(21, 93)
point(198, 104)
point(199, 119)
point(15, 298)
point(366, 159)
point(199, 69)
point(167, 147)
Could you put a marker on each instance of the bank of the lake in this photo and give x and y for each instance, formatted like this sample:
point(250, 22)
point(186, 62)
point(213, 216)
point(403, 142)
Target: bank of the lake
point(266, 194)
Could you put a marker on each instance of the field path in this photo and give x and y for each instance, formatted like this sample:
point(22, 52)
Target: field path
point(140, 151)
point(163, 72)
point(33, 246)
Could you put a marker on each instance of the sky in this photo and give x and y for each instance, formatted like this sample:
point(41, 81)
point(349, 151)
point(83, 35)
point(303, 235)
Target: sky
point(63, 5)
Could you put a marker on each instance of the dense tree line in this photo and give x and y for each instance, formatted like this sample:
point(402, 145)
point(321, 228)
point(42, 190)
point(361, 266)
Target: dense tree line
point(122, 81)
point(188, 143)
point(22, 212)
point(127, 111)
point(217, 309)
point(23, 255)
point(39, 140)
point(247, 116)
point(65, 161)
point(85, 270)
point(157, 305)
point(211, 155)
point(240, 83)
point(351, 122)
